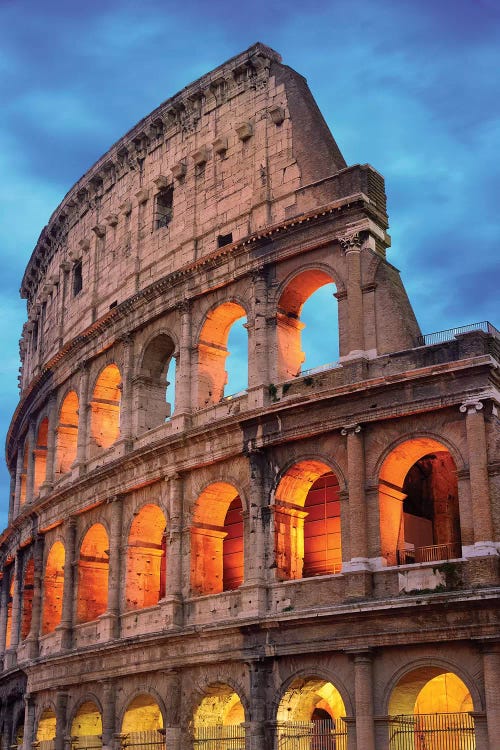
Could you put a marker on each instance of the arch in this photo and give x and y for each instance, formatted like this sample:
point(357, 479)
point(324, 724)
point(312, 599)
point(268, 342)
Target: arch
point(40, 455)
point(27, 597)
point(219, 718)
point(212, 351)
point(105, 407)
point(155, 375)
point(307, 521)
point(53, 585)
point(294, 293)
point(418, 502)
point(217, 558)
point(146, 557)
point(93, 569)
point(142, 714)
point(46, 726)
point(86, 726)
point(67, 433)
point(10, 600)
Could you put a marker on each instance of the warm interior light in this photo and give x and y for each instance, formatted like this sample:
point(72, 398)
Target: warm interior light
point(142, 714)
point(105, 407)
point(53, 584)
point(67, 433)
point(212, 352)
point(93, 568)
point(145, 584)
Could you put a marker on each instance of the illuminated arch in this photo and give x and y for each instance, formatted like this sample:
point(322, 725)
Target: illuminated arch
point(418, 502)
point(307, 521)
point(312, 707)
point(105, 407)
point(67, 433)
point(219, 719)
point(24, 474)
point(156, 373)
point(53, 585)
point(86, 727)
point(212, 351)
point(10, 599)
point(146, 555)
point(27, 597)
point(46, 727)
point(93, 569)
point(289, 326)
point(40, 454)
point(143, 714)
point(217, 540)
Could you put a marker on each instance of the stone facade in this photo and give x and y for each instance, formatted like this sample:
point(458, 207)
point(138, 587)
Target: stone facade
point(293, 566)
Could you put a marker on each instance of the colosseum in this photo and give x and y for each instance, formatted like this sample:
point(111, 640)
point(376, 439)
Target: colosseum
point(310, 563)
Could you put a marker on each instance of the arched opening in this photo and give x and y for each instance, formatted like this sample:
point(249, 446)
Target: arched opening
point(142, 723)
point(105, 407)
point(27, 598)
point(213, 351)
point(40, 463)
point(156, 383)
point(146, 559)
point(307, 522)
point(86, 727)
point(310, 714)
point(19, 732)
point(217, 540)
point(24, 475)
point(93, 568)
point(10, 600)
point(53, 584)
point(294, 312)
point(219, 720)
point(418, 497)
point(67, 433)
point(430, 709)
point(46, 730)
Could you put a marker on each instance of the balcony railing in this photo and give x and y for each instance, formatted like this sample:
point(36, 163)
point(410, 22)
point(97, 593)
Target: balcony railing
point(438, 337)
point(219, 737)
point(432, 553)
point(451, 731)
point(312, 735)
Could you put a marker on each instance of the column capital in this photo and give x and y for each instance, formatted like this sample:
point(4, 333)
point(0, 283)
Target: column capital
point(184, 306)
point(351, 241)
point(471, 406)
point(351, 429)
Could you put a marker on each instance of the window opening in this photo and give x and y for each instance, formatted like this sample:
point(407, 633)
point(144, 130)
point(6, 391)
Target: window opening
point(164, 204)
point(224, 239)
point(77, 278)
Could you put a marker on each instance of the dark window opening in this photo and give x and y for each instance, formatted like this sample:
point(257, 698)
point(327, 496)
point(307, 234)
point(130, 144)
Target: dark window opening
point(113, 304)
point(224, 239)
point(163, 212)
point(35, 336)
point(77, 278)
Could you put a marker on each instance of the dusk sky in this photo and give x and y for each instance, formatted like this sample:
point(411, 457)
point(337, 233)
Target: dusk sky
point(410, 86)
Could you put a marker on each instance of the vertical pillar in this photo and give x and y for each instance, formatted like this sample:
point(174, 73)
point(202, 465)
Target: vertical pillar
point(363, 696)
point(16, 603)
point(19, 474)
point(29, 721)
point(357, 505)
point(66, 625)
point(30, 471)
point(108, 713)
point(172, 692)
point(491, 671)
point(114, 573)
point(256, 532)
point(351, 245)
point(36, 607)
point(479, 483)
point(83, 415)
point(51, 445)
point(256, 727)
point(126, 398)
point(4, 597)
point(183, 396)
point(61, 704)
point(258, 349)
point(172, 601)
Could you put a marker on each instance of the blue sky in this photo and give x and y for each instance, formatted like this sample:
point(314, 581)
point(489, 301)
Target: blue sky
point(410, 86)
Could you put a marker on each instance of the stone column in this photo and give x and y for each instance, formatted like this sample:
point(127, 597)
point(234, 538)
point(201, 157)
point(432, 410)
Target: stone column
point(172, 692)
point(479, 483)
point(16, 604)
point(30, 471)
point(363, 696)
point(172, 601)
point(259, 734)
point(47, 484)
point(61, 704)
point(257, 527)
point(258, 350)
point(36, 607)
point(183, 396)
point(108, 713)
point(83, 418)
point(351, 245)
point(4, 597)
point(112, 615)
point(66, 625)
point(12, 497)
point(126, 388)
point(29, 721)
point(17, 490)
point(491, 671)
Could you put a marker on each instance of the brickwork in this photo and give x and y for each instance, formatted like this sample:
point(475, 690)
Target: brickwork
point(240, 563)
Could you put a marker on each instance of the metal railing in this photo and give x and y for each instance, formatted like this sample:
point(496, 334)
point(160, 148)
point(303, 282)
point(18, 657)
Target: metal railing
point(45, 744)
point(453, 731)
point(319, 368)
point(311, 735)
point(439, 337)
point(432, 553)
point(87, 742)
point(219, 737)
point(149, 739)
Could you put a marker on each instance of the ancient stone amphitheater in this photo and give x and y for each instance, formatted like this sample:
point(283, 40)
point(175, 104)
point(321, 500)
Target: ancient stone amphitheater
point(308, 564)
